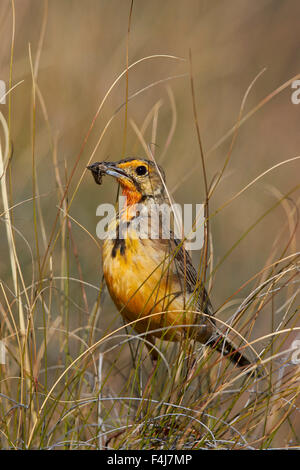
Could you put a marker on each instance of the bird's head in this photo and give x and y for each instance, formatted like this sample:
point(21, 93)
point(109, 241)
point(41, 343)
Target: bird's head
point(139, 178)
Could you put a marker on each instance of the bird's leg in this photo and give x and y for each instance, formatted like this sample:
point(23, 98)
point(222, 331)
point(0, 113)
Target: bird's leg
point(154, 359)
point(151, 348)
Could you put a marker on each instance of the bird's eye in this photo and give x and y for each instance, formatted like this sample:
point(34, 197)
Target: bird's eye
point(141, 170)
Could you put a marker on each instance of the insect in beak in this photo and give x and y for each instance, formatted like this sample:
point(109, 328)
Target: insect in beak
point(99, 169)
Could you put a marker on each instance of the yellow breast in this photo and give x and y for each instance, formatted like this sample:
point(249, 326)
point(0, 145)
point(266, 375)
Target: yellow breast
point(141, 282)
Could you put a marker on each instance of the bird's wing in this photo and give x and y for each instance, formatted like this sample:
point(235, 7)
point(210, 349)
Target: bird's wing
point(189, 279)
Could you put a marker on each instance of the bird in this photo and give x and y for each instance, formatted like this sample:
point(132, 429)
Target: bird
point(148, 272)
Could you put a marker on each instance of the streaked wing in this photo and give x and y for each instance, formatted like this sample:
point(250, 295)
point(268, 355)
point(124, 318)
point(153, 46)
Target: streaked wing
point(189, 279)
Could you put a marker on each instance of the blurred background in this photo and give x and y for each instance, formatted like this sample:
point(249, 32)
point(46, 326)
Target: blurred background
point(84, 51)
point(81, 50)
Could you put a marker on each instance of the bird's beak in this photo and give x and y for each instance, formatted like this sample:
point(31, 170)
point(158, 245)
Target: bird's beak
point(100, 169)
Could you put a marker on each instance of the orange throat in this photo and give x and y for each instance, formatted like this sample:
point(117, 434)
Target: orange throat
point(131, 194)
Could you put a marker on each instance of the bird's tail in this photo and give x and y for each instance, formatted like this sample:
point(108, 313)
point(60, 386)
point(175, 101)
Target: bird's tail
point(223, 346)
